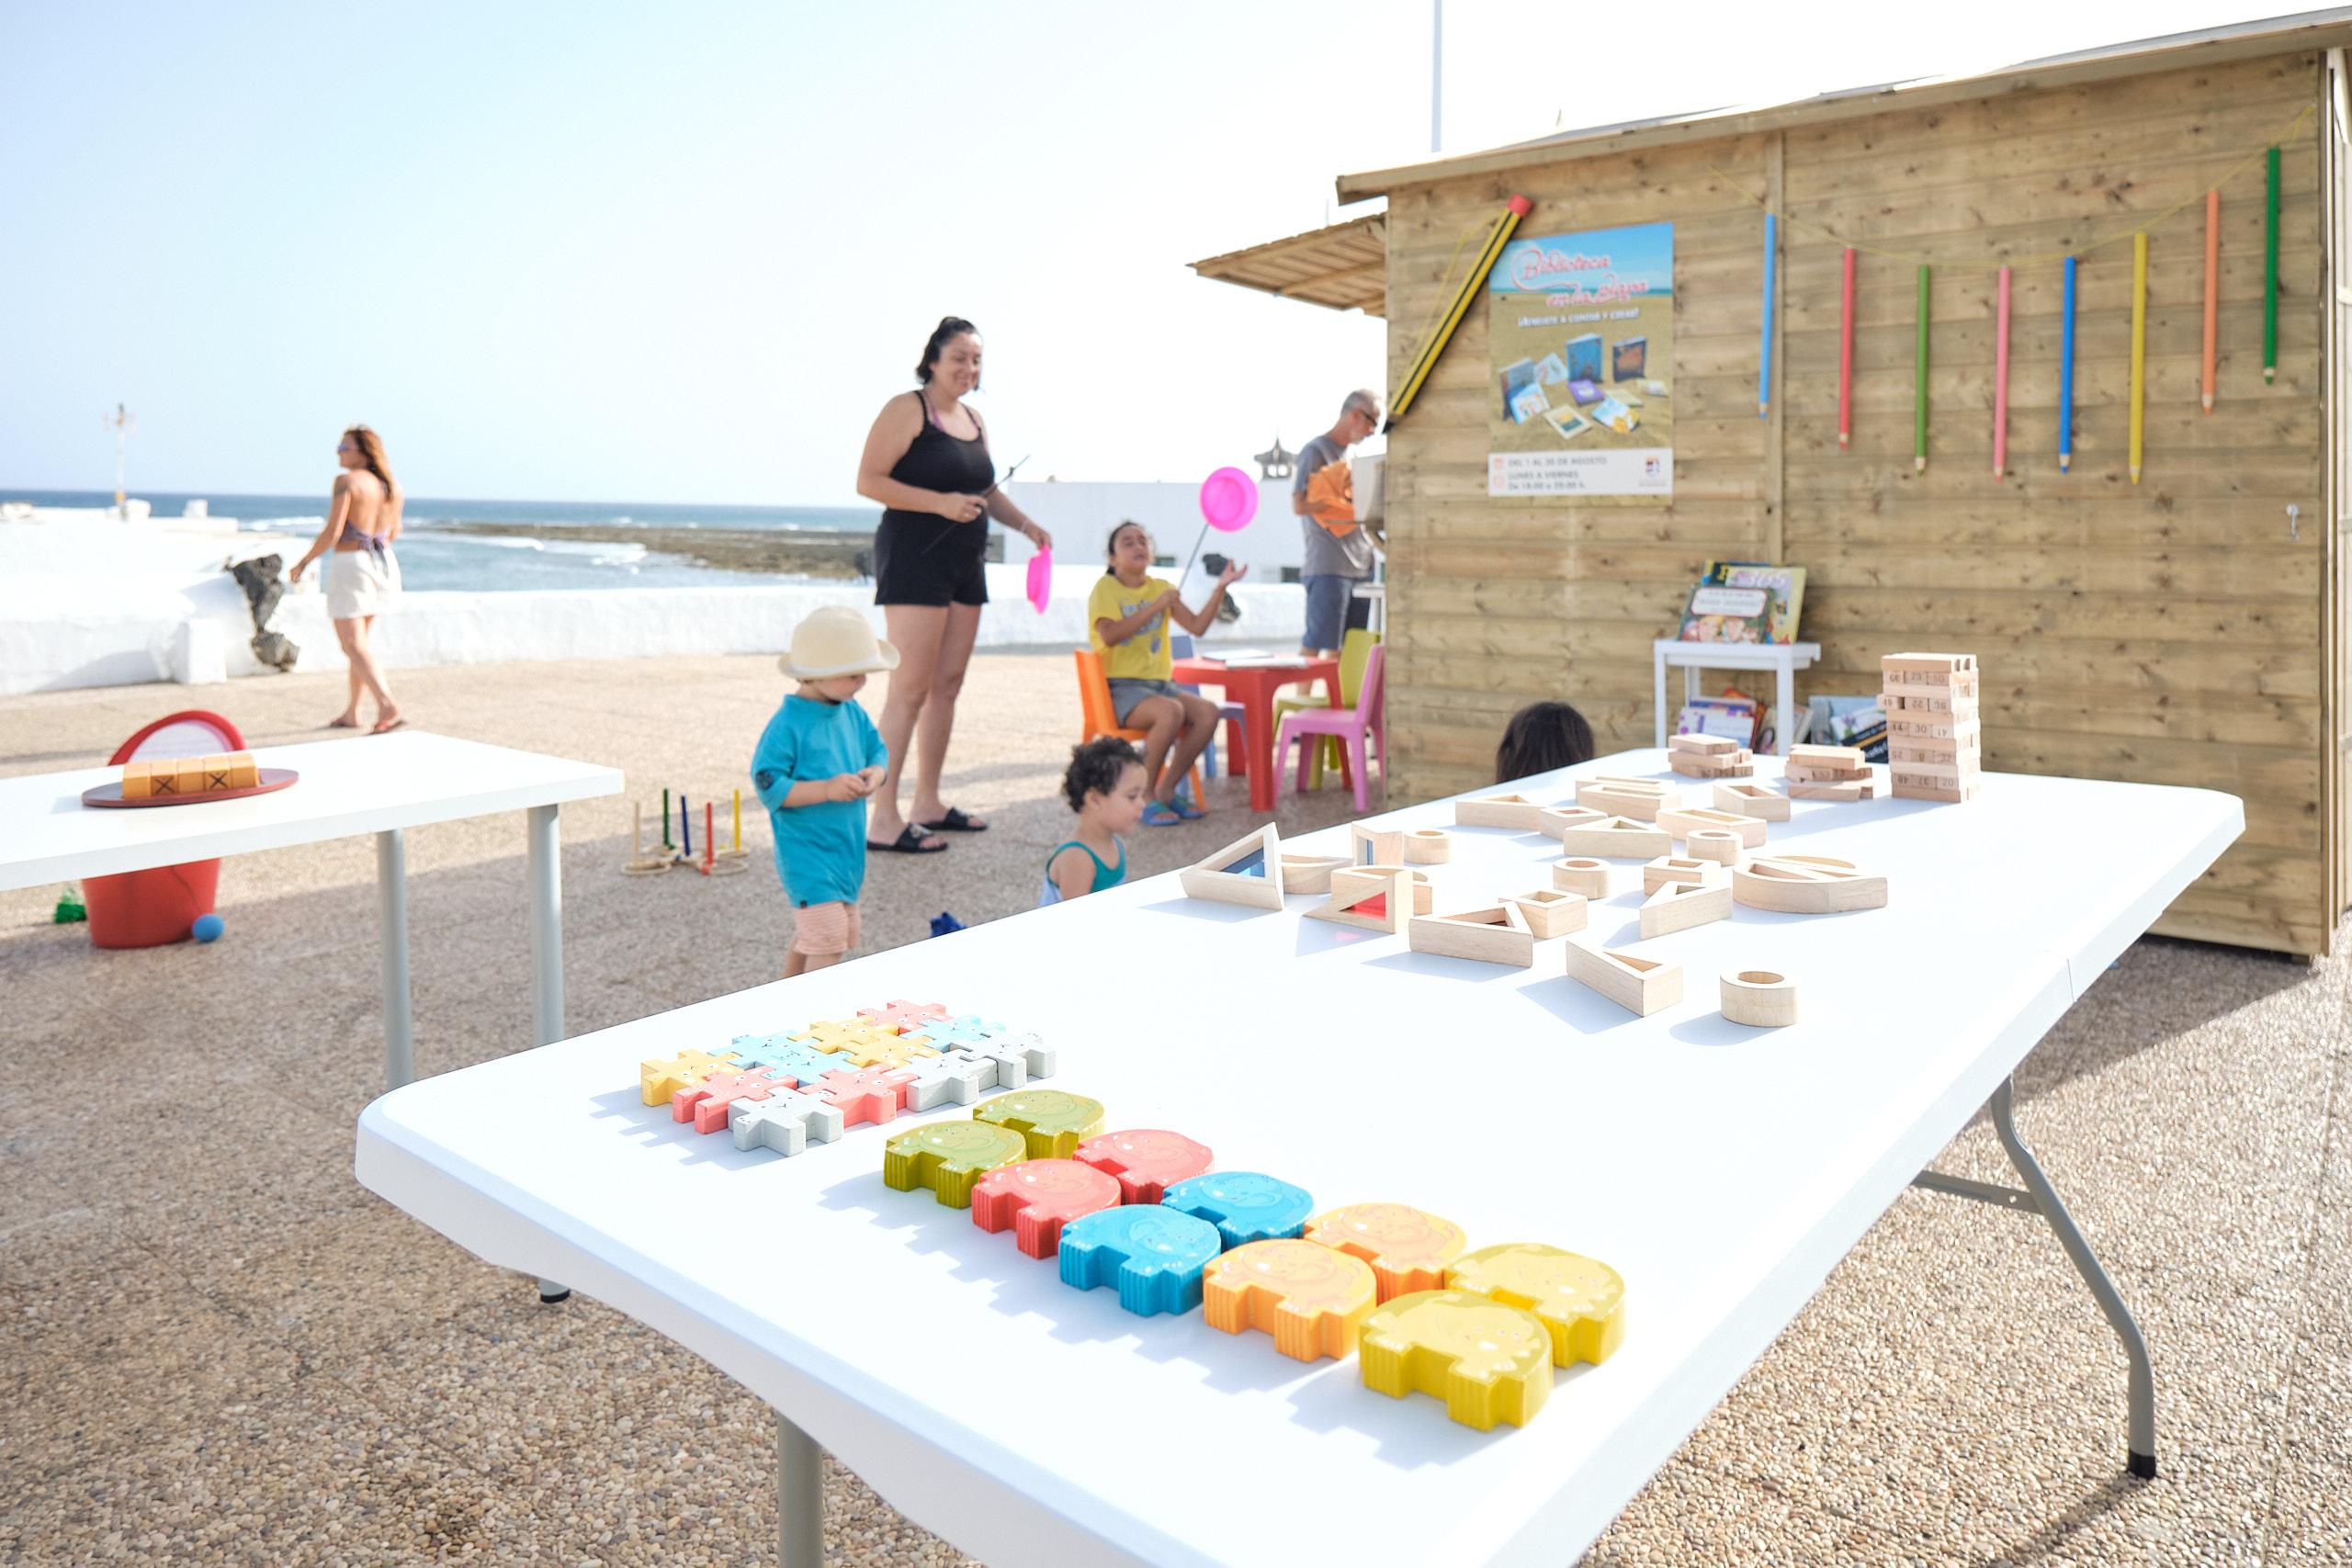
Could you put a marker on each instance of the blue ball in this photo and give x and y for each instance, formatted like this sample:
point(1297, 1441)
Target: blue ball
point(208, 928)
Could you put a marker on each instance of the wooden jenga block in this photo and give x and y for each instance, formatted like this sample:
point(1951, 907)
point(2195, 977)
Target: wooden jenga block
point(1690, 764)
point(1842, 757)
point(1953, 796)
point(1935, 725)
point(1863, 788)
point(1927, 699)
point(1939, 666)
point(1703, 745)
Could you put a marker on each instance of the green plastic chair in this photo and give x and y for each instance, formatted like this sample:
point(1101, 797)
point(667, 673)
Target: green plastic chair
point(1355, 651)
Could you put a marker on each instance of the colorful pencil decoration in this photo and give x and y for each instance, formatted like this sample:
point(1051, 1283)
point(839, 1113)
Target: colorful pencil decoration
point(2138, 345)
point(2270, 274)
point(1919, 391)
point(739, 821)
point(685, 829)
point(2213, 289)
point(709, 837)
point(2001, 381)
point(2067, 374)
point(665, 820)
point(1846, 359)
point(1764, 354)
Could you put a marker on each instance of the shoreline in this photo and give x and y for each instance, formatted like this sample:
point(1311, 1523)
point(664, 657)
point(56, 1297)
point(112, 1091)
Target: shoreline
point(752, 551)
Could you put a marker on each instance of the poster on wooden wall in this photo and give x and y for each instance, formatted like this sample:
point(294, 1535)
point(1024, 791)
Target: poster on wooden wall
point(1580, 328)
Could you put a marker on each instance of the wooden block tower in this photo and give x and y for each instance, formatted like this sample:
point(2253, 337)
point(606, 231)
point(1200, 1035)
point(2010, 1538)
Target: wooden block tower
point(1934, 742)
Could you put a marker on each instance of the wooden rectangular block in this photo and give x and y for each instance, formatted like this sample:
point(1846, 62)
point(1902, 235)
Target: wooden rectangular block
point(1949, 773)
point(1558, 819)
point(1965, 739)
point(1375, 846)
point(1938, 665)
point(1310, 873)
point(1950, 796)
point(1863, 788)
point(1639, 985)
point(1679, 906)
point(1827, 756)
point(1927, 701)
point(1581, 873)
point(1496, 811)
point(1667, 869)
point(138, 780)
point(1749, 831)
point(1619, 838)
point(1703, 745)
point(1752, 800)
point(1497, 934)
point(243, 771)
point(1623, 798)
point(1692, 765)
point(1552, 911)
point(1939, 725)
point(1816, 773)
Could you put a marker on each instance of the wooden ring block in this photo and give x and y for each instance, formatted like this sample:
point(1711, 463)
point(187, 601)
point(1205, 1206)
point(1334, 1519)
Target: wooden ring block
point(1581, 873)
point(1714, 844)
point(1427, 846)
point(1761, 998)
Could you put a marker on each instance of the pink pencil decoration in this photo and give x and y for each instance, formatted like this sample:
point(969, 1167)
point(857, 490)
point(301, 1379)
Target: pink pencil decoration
point(710, 835)
point(2001, 382)
point(1846, 359)
point(2212, 288)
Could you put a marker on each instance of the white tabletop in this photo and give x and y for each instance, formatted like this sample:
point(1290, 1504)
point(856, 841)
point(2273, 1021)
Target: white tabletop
point(1723, 1171)
point(363, 785)
point(1737, 655)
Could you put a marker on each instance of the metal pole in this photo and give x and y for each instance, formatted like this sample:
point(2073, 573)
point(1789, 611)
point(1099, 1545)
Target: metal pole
point(799, 1498)
point(1437, 75)
point(391, 905)
point(2143, 1385)
point(546, 875)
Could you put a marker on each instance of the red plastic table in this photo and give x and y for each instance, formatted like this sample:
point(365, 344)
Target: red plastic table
point(1253, 686)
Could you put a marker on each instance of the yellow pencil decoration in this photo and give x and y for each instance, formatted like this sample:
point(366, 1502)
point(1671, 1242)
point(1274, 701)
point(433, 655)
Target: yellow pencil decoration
point(2139, 347)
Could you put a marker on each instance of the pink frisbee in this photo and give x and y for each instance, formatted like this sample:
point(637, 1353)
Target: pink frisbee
point(1229, 500)
point(1041, 580)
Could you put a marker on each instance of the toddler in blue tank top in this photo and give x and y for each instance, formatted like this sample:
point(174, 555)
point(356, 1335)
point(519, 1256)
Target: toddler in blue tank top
point(1105, 785)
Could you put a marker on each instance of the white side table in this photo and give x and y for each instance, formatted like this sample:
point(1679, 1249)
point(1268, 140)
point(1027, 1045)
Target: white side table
point(1785, 659)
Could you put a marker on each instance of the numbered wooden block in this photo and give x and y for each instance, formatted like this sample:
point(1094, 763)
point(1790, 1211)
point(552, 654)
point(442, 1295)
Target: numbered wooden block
point(1366, 902)
point(1966, 792)
point(1703, 745)
point(1497, 934)
point(787, 1121)
point(1144, 1162)
point(952, 1077)
point(1496, 811)
point(1863, 788)
point(1581, 873)
point(1639, 985)
point(1679, 906)
point(1844, 759)
point(1806, 884)
point(905, 1017)
point(1735, 764)
point(1761, 998)
point(1579, 1300)
point(1667, 869)
point(1928, 669)
point(1374, 846)
point(1748, 830)
point(1311, 1299)
point(1036, 1198)
point(949, 1158)
point(1244, 1205)
point(661, 1077)
point(705, 1102)
point(1155, 1256)
point(1550, 911)
point(1407, 1249)
point(1619, 838)
point(1427, 846)
point(1714, 844)
point(1310, 873)
point(1248, 872)
point(865, 1094)
point(1054, 1123)
point(1752, 800)
point(1489, 1362)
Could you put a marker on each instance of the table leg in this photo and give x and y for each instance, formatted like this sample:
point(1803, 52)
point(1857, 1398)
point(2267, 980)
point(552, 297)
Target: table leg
point(1657, 691)
point(1788, 703)
point(545, 869)
point(799, 1498)
point(1260, 701)
point(392, 904)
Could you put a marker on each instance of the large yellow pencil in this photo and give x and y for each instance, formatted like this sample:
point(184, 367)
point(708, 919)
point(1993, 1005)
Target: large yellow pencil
point(2138, 345)
point(1498, 236)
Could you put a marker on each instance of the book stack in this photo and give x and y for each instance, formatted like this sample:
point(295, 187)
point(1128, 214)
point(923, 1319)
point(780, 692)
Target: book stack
point(1829, 773)
point(1708, 757)
point(1934, 742)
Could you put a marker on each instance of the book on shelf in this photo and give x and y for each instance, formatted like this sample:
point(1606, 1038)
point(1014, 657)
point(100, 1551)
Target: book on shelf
point(1743, 602)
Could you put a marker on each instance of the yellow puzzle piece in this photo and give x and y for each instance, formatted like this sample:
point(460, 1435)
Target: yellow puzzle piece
point(659, 1079)
point(1054, 1123)
point(1489, 1362)
point(1580, 1300)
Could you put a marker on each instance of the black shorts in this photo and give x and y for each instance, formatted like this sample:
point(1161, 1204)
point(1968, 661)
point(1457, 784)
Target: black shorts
point(929, 560)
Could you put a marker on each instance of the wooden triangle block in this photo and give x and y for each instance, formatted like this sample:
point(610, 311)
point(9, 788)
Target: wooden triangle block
point(1310, 873)
point(1248, 872)
point(1495, 811)
point(1806, 884)
point(1618, 837)
point(1499, 934)
point(1367, 900)
point(1677, 906)
point(1638, 984)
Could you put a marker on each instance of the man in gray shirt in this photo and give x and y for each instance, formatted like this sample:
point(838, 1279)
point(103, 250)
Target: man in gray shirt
point(1338, 556)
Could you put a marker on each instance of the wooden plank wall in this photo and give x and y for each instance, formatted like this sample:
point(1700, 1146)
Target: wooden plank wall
point(2166, 633)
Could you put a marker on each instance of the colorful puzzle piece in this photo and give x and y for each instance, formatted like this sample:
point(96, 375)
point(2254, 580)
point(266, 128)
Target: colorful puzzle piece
point(865, 1094)
point(904, 1016)
point(1037, 1196)
point(1155, 1255)
point(957, 1075)
point(794, 1059)
point(1019, 1058)
point(1579, 1300)
point(948, 1157)
point(1244, 1205)
point(786, 1121)
point(888, 1050)
point(1489, 1362)
point(1056, 1122)
point(969, 1026)
point(832, 1033)
point(1311, 1299)
point(705, 1103)
point(1407, 1248)
point(1146, 1161)
point(659, 1079)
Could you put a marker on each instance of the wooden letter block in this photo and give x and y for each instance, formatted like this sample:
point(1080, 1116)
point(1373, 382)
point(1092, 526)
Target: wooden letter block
point(1497, 934)
point(1714, 844)
point(1579, 1300)
point(1427, 846)
point(1762, 998)
point(1153, 1254)
point(1581, 873)
point(1551, 911)
point(1620, 838)
point(1144, 1162)
point(1037, 1198)
point(1495, 811)
point(1054, 1123)
point(1752, 800)
point(1407, 1249)
point(787, 1121)
point(1748, 830)
point(1679, 906)
point(949, 1158)
point(1248, 872)
point(1806, 884)
point(1667, 869)
point(1489, 1362)
point(1374, 846)
point(1310, 873)
point(1244, 1205)
point(661, 1078)
point(1311, 1299)
point(1642, 985)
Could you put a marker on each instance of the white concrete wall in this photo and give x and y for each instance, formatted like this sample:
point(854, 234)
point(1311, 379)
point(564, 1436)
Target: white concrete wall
point(1081, 515)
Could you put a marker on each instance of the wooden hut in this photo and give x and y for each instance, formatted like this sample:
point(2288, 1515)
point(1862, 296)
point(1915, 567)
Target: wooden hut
point(2185, 630)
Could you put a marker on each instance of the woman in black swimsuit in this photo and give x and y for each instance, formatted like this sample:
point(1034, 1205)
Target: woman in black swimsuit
point(927, 462)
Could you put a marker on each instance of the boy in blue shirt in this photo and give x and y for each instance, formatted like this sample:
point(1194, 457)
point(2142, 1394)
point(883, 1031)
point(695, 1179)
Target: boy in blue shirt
point(816, 762)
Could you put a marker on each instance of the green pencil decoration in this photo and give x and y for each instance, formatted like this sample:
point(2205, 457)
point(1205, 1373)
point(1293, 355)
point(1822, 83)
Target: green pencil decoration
point(665, 820)
point(2270, 274)
point(1920, 393)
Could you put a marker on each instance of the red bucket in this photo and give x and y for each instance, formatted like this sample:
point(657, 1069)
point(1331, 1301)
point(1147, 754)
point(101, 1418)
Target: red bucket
point(149, 909)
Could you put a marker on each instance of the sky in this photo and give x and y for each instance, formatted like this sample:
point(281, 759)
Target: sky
point(685, 252)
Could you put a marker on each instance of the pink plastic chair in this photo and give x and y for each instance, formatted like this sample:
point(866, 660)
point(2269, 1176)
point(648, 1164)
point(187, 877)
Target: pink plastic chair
point(1349, 725)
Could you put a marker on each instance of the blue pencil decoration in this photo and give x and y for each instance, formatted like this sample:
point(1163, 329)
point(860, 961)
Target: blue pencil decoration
point(1764, 355)
point(2067, 374)
point(685, 829)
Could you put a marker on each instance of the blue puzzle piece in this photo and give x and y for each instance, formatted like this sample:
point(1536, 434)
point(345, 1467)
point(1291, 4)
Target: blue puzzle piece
point(966, 1032)
point(1156, 1256)
point(1244, 1205)
point(794, 1058)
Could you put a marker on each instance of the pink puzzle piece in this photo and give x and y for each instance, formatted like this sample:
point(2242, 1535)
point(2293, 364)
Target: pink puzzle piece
point(1037, 1196)
point(1144, 1161)
point(903, 1015)
point(866, 1094)
point(705, 1103)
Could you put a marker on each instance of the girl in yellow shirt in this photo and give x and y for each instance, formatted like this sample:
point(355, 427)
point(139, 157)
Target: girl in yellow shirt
point(1127, 617)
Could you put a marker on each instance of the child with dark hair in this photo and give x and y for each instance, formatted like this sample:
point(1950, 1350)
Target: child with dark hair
point(1540, 738)
point(1105, 785)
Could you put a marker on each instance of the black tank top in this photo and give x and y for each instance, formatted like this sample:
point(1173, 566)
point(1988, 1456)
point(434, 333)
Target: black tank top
point(936, 460)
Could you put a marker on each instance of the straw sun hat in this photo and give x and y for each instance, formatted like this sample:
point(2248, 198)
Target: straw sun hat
point(835, 641)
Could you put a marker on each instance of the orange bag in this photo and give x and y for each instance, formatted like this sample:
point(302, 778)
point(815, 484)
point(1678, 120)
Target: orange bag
point(1332, 498)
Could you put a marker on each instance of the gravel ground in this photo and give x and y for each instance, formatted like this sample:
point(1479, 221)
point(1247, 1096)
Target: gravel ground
point(220, 1350)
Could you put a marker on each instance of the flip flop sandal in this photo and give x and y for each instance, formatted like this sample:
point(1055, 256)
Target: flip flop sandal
point(340, 723)
point(1187, 810)
point(910, 842)
point(1160, 814)
point(382, 728)
point(954, 822)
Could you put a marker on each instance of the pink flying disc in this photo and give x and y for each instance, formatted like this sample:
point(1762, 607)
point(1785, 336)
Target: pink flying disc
point(1041, 580)
point(1229, 500)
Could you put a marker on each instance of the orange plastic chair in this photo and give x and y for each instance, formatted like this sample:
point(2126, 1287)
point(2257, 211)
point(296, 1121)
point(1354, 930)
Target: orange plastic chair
point(1095, 717)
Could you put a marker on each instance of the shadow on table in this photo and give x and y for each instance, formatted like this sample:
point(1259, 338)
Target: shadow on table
point(1205, 909)
point(653, 1126)
point(1408, 1433)
point(1438, 967)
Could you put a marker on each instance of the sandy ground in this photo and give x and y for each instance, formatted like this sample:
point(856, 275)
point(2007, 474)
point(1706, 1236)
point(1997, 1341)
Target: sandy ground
point(220, 1350)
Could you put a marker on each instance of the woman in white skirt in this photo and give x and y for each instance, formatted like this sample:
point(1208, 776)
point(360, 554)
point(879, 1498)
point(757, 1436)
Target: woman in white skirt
point(363, 579)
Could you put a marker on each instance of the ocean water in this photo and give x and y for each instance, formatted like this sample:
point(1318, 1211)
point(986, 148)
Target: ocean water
point(433, 557)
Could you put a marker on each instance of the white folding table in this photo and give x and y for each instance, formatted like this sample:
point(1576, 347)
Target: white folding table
point(382, 784)
point(1723, 1171)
